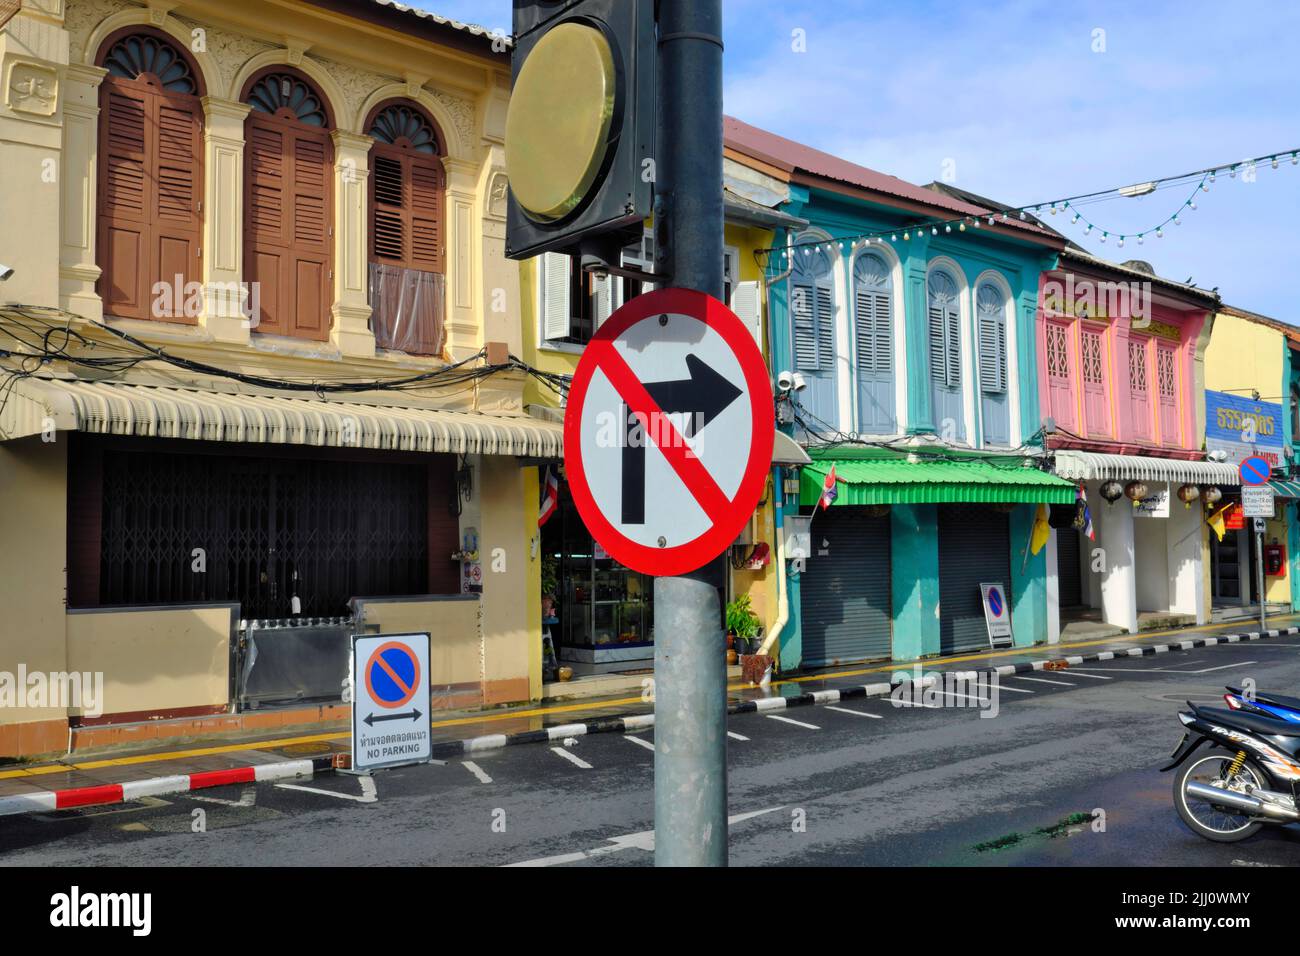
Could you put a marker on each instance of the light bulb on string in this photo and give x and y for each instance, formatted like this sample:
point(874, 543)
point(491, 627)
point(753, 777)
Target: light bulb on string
point(1139, 239)
point(1103, 236)
point(894, 237)
point(1295, 158)
point(1075, 219)
point(1274, 163)
point(1087, 230)
point(1160, 233)
point(1177, 221)
point(934, 231)
point(947, 228)
point(1121, 242)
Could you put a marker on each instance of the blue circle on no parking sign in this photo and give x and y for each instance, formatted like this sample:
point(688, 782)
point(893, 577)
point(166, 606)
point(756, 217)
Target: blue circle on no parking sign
point(995, 602)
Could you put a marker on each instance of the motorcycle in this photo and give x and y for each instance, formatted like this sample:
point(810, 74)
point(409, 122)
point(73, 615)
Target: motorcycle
point(1248, 777)
point(1266, 705)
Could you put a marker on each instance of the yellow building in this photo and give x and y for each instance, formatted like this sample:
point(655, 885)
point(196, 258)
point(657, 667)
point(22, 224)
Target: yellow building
point(603, 622)
point(1250, 408)
point(256, 386)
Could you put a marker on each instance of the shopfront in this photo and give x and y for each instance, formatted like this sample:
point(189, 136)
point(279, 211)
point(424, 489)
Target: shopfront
point(896, 562)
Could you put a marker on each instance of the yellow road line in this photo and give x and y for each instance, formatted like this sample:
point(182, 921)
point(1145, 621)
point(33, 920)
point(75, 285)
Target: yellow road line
point(1054, 649)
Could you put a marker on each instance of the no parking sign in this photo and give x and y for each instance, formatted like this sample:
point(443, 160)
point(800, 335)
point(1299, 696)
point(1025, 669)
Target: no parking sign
point(997, 615)
point(390, 701)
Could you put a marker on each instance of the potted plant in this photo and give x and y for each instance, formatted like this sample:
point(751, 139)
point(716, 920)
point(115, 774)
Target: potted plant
point(742, 625)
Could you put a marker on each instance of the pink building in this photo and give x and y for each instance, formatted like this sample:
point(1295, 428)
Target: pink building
point(1121, 357)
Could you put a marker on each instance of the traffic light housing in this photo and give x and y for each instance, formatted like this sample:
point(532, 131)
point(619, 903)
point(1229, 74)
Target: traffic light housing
point(581, 124)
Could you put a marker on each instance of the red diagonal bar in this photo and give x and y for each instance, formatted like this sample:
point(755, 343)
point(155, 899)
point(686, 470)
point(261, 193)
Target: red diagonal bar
point(684, 462)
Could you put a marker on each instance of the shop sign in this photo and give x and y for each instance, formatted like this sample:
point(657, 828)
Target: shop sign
point(1241, 428)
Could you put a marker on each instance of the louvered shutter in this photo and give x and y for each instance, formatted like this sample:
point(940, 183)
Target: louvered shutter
point(426, 190)
point(993, 354)
point(953, 327)
point(802, 305)
point(151, 181)
point(825, 326)
point(746, 302)
point(938, 347)
point(865, 328)
point(388, 204)
point(884, 335)
point(556, 313)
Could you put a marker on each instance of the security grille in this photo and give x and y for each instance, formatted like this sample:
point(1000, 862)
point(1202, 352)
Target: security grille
point(196, 528)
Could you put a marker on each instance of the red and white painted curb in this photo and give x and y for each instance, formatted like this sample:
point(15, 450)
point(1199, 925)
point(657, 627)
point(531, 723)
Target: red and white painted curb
point(157, 786)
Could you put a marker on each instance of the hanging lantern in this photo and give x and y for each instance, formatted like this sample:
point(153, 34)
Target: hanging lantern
point(1212, 495)
point(1111, 491)
point(1136, 491)
point(1187, 494)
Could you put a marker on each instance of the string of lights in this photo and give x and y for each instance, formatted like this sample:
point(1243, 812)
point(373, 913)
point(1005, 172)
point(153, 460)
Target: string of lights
point(1202, 180)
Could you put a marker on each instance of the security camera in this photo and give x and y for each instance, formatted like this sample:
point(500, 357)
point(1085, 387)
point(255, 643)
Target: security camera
point(785, 382)
point(1218, 455)
point(799, 382)
point(5, 272)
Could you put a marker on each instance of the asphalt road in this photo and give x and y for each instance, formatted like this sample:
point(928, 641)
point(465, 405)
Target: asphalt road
point(861, 783)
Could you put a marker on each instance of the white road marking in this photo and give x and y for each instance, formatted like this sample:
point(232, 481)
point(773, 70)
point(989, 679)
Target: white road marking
point(1042, 680)
point(368, 793)
point(910, 703)
point(855, 713)
point(1016, 690)
point(645, 840)
point(247, 797)
point(576, 761)
point(644, 743)
point(736, 736)
point(477, 771)
point(791, 720)
point(1093, 676)
point(1166, 670)
point(956, 696)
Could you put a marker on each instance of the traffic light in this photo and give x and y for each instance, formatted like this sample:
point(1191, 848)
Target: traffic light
point(580, 128)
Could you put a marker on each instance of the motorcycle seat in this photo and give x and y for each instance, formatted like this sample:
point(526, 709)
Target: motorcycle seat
point(1268, 726)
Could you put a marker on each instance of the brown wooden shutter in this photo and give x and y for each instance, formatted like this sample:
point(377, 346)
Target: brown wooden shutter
point(150, 195)
point(288, 236)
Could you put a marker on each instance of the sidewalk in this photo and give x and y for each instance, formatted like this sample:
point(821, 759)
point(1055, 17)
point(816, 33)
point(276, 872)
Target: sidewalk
point(85, 779)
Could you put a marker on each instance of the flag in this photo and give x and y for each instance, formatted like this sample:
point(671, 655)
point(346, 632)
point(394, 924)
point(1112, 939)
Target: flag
point(1081, 498)
point(550, 497)
point(1041, 531)
point(1216, 523)
point(829, 492)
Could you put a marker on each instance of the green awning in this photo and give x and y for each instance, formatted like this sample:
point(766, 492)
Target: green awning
point(880, 477)
point(1283, 489)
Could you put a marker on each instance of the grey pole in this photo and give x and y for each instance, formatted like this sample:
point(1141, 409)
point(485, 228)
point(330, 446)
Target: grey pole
point(690, 662)
point(1259, 575)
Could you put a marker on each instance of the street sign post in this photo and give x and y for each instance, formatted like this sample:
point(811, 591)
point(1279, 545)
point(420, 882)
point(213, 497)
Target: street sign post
point(997, 615)
point(1257, 501)
point(668, 431)
point(390, 701)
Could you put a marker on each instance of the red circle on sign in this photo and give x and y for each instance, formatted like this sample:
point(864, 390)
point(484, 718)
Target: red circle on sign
point(376, 659)
point(726, 526)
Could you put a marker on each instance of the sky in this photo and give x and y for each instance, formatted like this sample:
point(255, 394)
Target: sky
point(1026, 102)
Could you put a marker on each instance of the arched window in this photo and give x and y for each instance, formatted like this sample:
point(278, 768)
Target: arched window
point(812, 306)
point(150, 178)
point(873, 298)
point(945, 354)
point(289, 204)
point(407, 244)
point(991, 322)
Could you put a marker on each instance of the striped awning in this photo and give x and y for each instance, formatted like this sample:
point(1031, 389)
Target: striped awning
point(1093, 466)
point(1285, 489)
point(36, 406)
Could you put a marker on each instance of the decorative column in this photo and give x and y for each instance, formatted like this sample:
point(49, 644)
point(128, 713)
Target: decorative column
point(228, 312)
point(78, 270)
point(465, 331)
point(33, 68)
point(920, 403)
point(350, 331)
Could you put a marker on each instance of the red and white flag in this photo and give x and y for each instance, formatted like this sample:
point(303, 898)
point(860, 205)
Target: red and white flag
point(550, 497)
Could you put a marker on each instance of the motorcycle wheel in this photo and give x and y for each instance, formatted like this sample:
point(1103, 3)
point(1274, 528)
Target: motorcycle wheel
point(1220, 824)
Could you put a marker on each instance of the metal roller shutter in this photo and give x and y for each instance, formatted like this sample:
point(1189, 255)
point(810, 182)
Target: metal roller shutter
point(974, 548)
point(845, 590)
point(1069, 583)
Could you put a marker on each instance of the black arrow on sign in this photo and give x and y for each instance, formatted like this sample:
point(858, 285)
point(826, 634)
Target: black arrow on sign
point(703, 394)
point(371, 720)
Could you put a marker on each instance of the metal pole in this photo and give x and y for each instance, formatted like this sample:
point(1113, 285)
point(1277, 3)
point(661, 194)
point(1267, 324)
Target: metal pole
point(1259, 574)
point(690, 662)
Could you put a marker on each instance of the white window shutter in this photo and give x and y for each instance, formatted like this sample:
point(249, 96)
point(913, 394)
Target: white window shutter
point(555, 295)
point(747, 303)
point(602, 293)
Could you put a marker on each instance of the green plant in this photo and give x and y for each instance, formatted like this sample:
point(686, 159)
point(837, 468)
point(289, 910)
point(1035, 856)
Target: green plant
point(741, 620)
point(550, 575)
